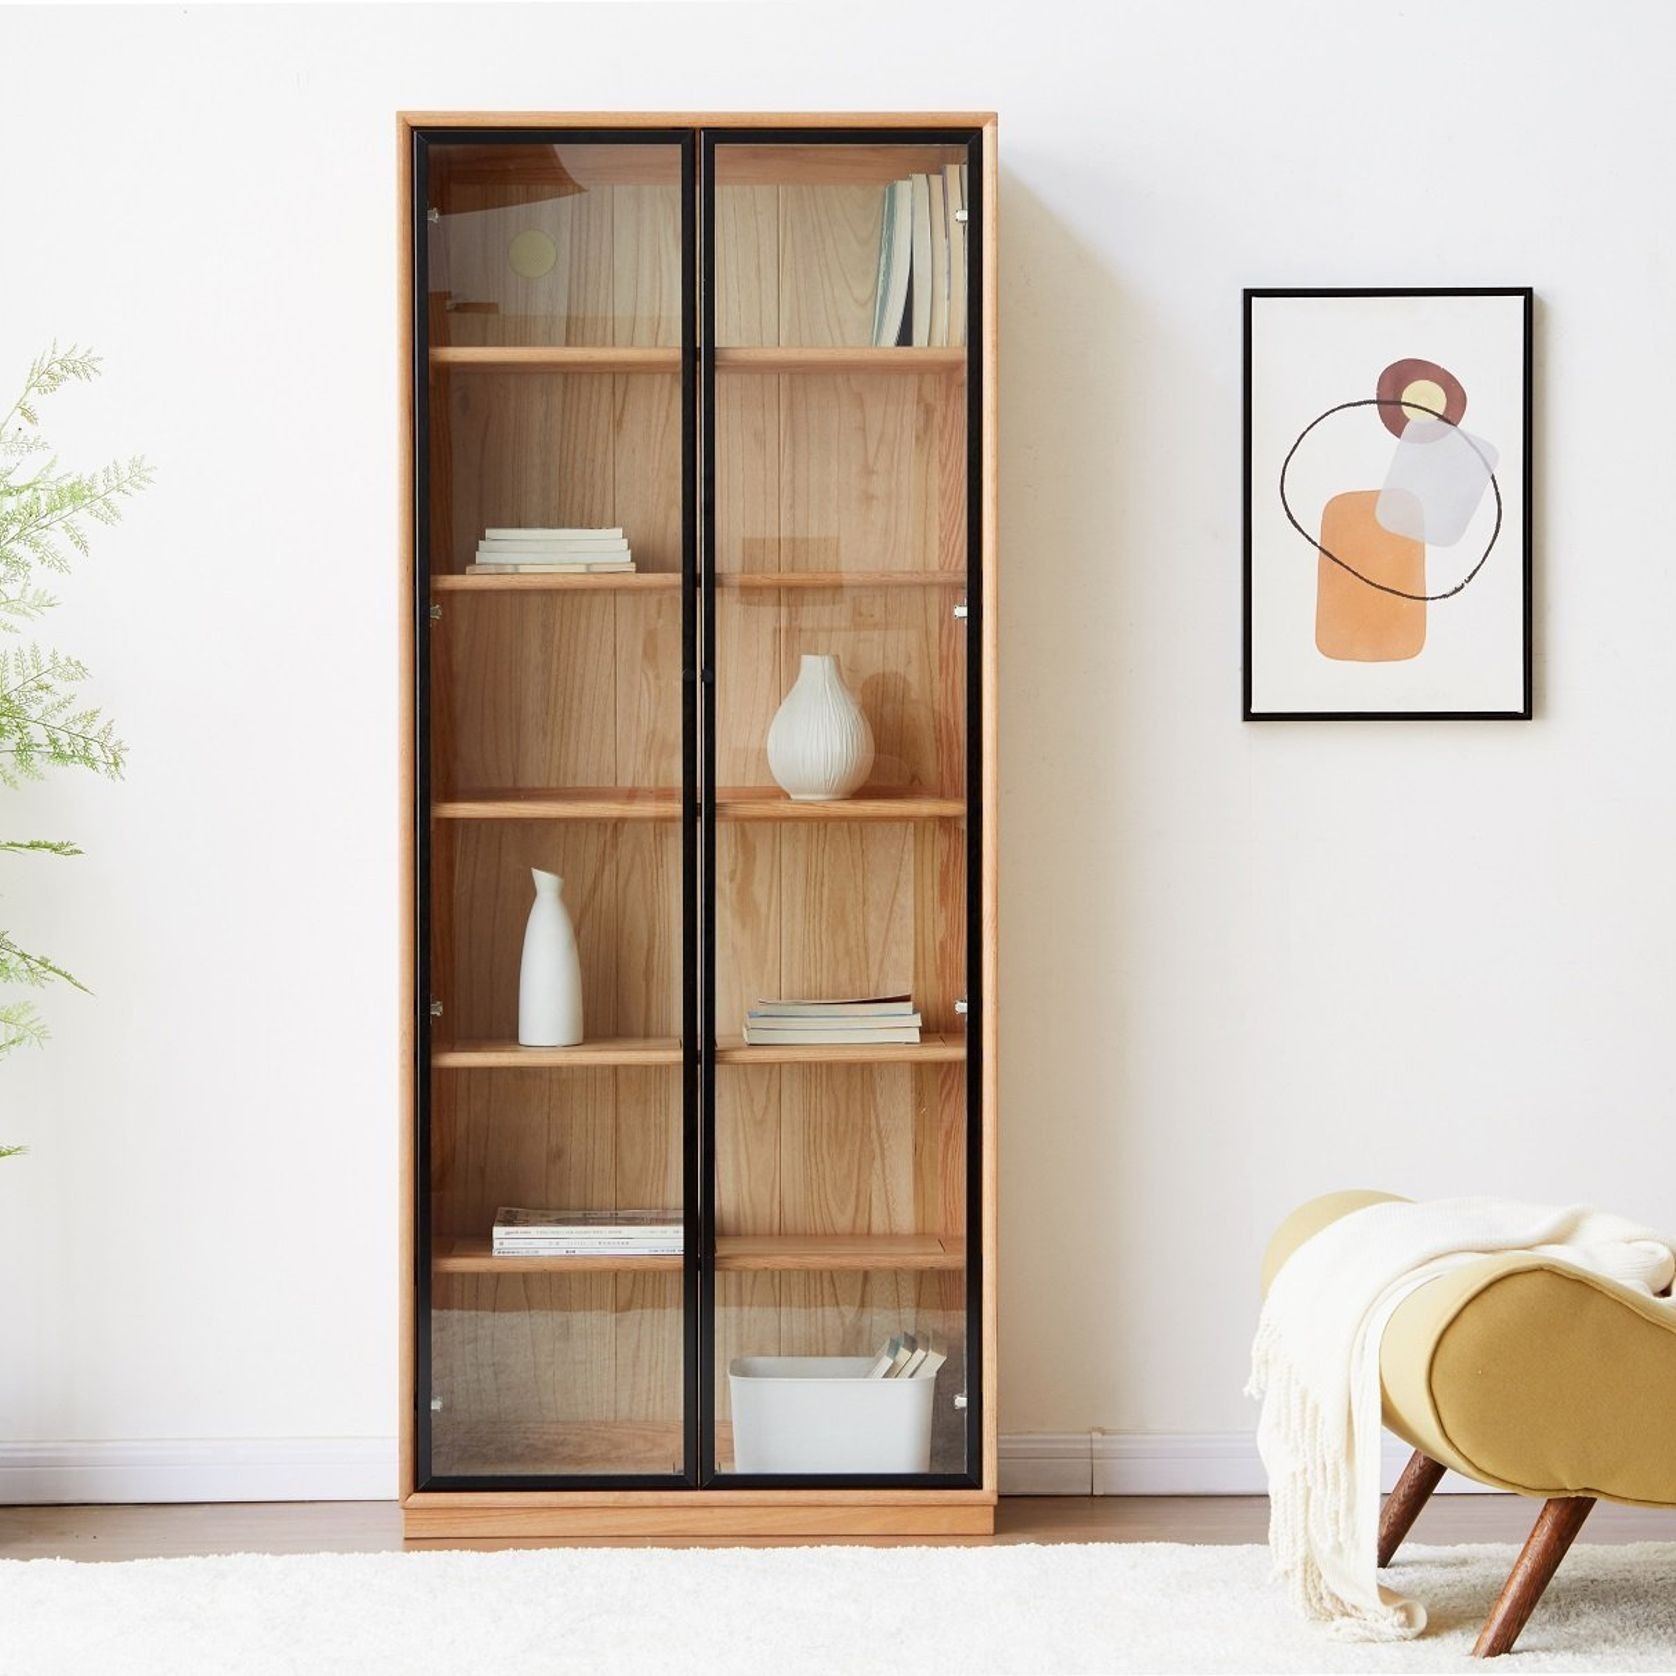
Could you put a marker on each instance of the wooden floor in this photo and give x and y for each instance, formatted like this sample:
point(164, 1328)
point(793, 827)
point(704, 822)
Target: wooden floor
point(129, 1533)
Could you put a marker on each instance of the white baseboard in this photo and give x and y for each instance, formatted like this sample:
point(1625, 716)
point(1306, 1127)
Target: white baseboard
point(364, 1469)
point(1047, 1463)
point(200, 1469)
point(1157, 1464)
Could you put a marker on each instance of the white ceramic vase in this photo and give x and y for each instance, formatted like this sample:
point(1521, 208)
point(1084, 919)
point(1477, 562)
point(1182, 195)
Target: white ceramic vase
point(550, 978)
point(820, 747)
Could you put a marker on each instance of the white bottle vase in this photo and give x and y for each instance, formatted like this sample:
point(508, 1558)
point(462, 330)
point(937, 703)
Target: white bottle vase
point(820, 747)
point(550, 978)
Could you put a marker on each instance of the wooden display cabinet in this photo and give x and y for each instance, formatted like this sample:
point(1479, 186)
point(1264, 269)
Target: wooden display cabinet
point(671, 323)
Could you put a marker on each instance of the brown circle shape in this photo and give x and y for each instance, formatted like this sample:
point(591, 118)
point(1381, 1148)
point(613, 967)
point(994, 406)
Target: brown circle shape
point(1399, 375)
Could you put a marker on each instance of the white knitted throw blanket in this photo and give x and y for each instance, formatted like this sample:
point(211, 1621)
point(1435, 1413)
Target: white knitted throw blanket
point(1315, 1365)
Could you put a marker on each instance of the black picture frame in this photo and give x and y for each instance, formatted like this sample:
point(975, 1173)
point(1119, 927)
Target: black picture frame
point(1525, 712)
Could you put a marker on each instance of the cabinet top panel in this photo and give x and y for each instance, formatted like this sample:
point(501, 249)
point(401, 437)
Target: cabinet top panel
point(696, 119)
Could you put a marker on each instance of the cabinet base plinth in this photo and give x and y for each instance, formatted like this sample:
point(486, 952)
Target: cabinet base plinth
point(581, 1524)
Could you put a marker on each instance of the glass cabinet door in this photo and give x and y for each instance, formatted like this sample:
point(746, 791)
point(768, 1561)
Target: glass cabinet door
point(557, 546)
point(839, 610)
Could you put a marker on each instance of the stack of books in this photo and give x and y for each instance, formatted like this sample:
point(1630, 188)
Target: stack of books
point(904, 1357)
point(857, 1019)
point(920, 298)
point(587, 1233)
point(535, 552)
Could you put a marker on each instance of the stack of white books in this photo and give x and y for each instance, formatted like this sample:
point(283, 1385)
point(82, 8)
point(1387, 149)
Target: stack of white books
point(854, 1019)
point(536, 552)
point(587, 1233)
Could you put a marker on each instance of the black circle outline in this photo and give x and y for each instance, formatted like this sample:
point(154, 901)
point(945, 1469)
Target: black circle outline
point(1327, 552)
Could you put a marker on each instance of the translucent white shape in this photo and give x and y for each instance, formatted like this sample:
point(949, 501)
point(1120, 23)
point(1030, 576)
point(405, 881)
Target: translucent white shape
point(1437, 478)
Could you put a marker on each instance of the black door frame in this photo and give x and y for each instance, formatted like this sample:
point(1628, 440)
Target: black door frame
point(698, 807)
point(972, 138)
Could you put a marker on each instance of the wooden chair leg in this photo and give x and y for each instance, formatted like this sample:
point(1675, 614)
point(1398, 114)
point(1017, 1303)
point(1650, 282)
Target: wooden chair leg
point(1556, 1526)
point(1402, 1506)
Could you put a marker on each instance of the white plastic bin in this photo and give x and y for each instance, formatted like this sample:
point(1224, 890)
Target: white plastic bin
point(822, 1414)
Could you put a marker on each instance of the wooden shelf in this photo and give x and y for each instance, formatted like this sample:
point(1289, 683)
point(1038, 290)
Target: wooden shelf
point(631, 1051)
point(619, 1050)
point(636, 582)
point(663, 803)
point(929, 1050)
point(668, 581)
point(771, 359)
point(554, 358)
point(840, 1251)
point(781, 581)
point(563, 803)
point(475, 1256)
point(876, 803)
point(860, 359)
point(733, 1251)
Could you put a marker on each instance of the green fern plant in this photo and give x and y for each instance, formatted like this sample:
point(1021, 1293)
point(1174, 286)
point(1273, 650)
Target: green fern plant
point(46, 512)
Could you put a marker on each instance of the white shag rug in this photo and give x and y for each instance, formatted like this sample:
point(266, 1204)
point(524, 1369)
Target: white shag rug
point(793, 1612)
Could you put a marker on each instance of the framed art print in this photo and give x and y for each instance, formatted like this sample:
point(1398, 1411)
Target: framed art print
point(1387, 504)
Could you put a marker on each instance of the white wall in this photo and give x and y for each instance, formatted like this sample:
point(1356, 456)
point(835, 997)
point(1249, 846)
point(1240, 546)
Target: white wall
point(1242, 964)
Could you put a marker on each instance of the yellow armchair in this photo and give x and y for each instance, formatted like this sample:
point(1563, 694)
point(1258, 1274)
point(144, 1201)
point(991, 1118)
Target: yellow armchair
point(1527, 1375)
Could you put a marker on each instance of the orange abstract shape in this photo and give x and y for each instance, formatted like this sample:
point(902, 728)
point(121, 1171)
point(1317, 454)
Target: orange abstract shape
point(1353, 621)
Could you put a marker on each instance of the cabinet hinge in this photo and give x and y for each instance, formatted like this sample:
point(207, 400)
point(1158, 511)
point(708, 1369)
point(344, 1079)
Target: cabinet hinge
point(436, 613)
point(962, 612)
point(961, 1008)
point(434, 215)
point(960, 215)
point(436, 1009)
